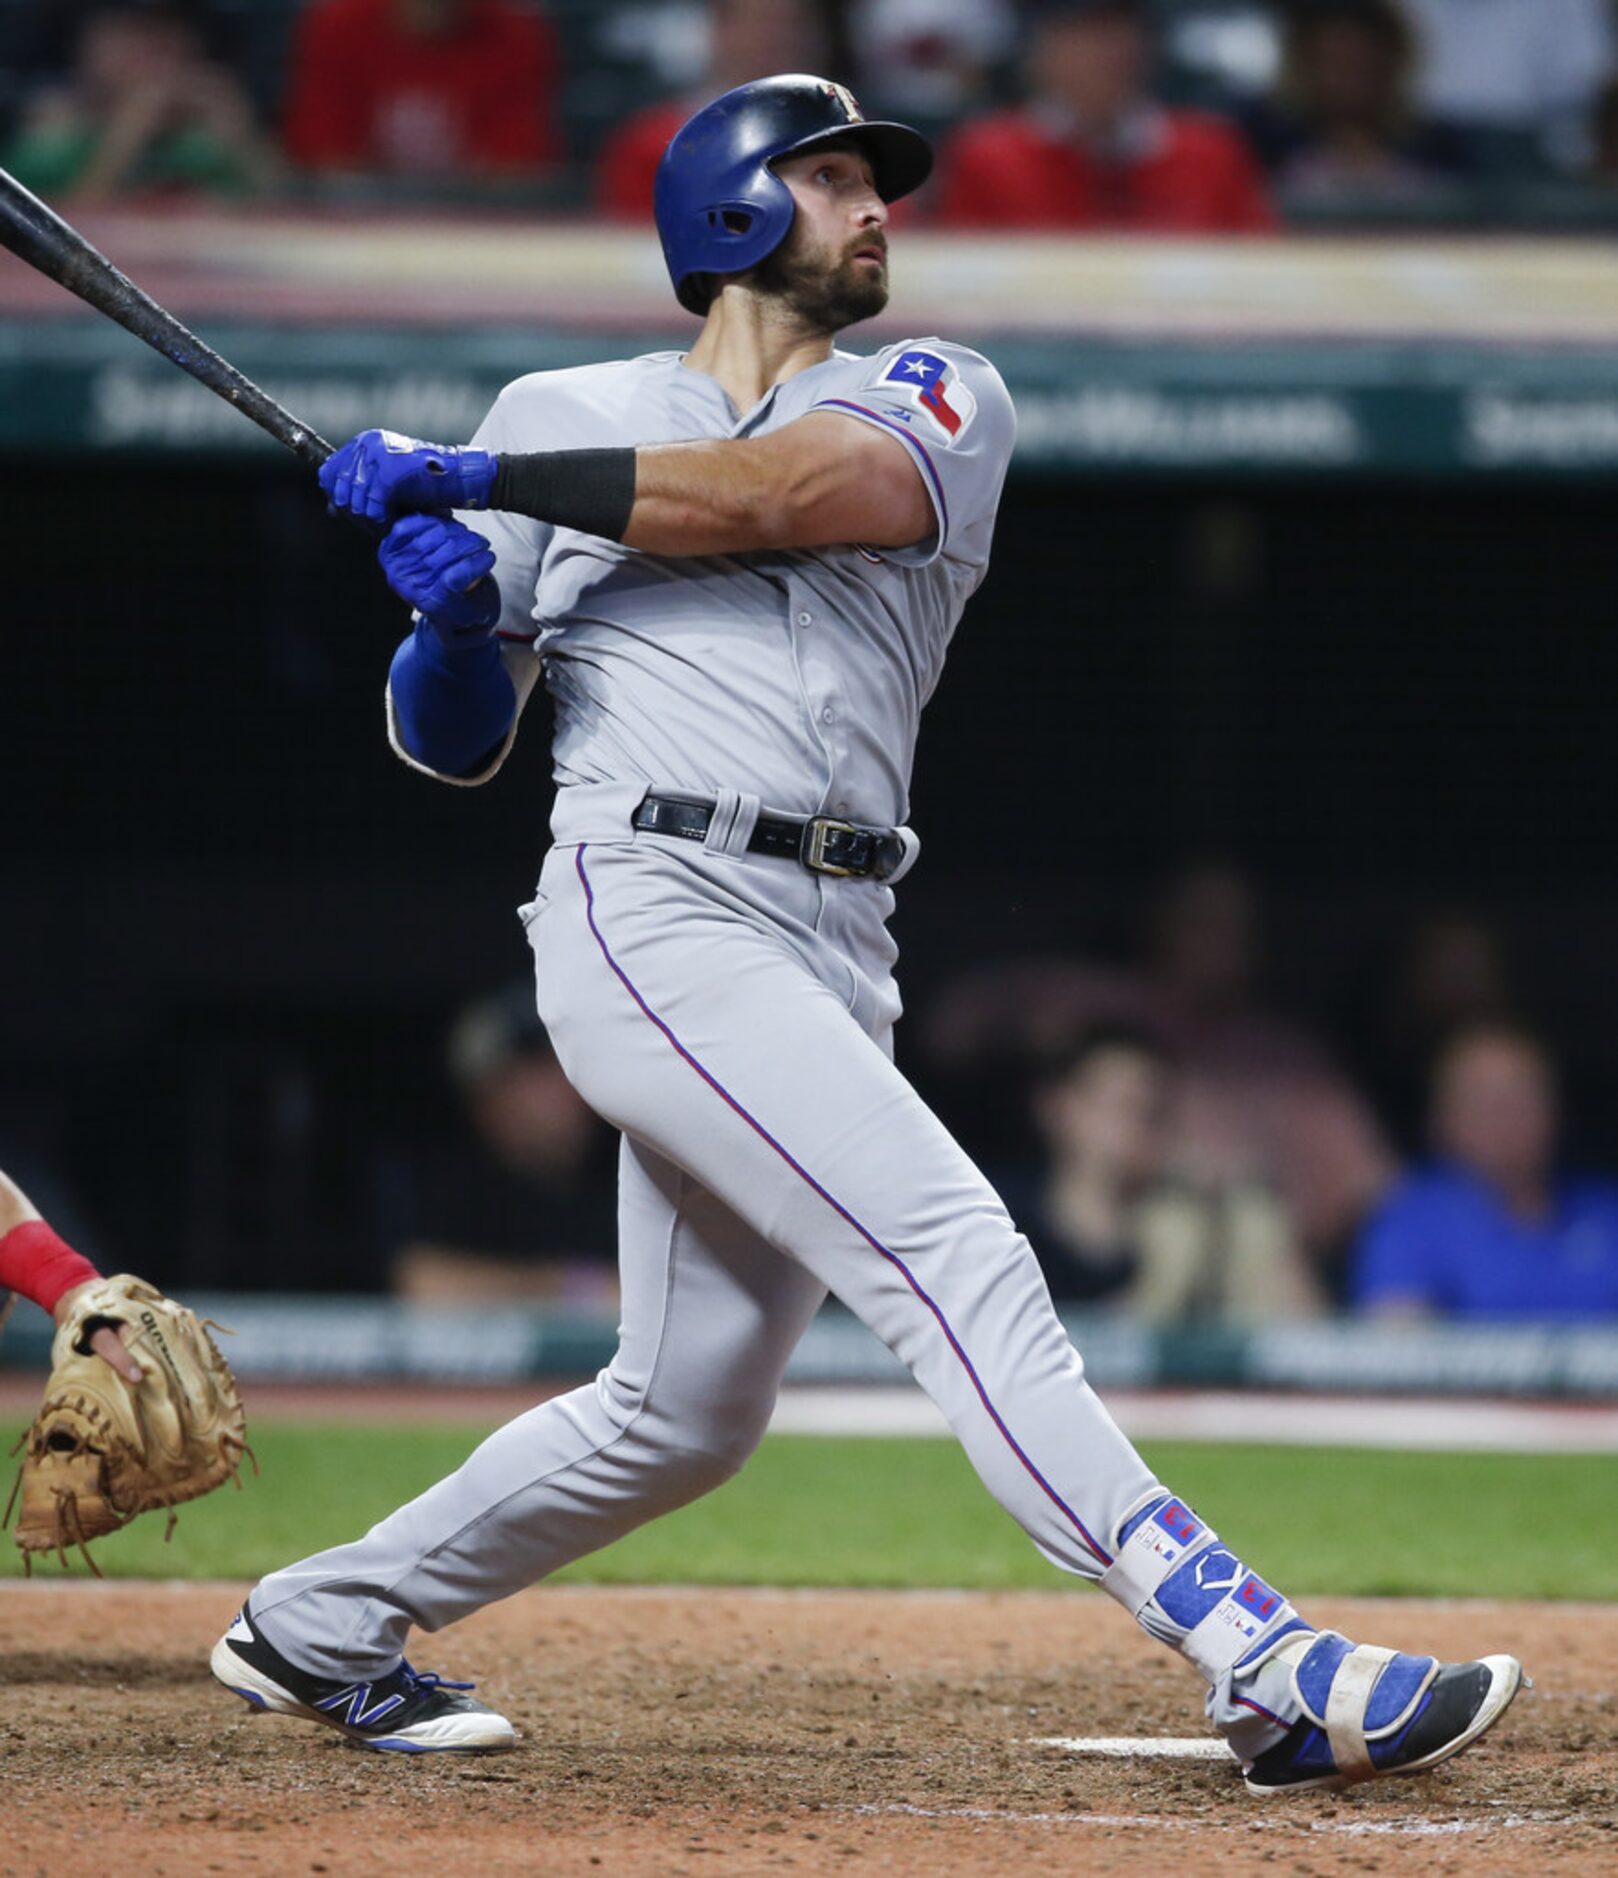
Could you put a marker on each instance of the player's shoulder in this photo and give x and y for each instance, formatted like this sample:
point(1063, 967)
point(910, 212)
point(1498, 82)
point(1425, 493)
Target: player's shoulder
point(944, 394)
point(576, 405)
point(605, 377)
point(930, 360)
point(929, 357)
point(950, 349)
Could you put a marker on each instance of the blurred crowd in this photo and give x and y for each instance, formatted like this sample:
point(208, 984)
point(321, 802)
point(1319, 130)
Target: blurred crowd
point(1215, 116)
point(1177, 1150)
point(1180, 1149)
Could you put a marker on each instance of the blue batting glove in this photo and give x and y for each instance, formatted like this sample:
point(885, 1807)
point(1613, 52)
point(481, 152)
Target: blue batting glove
point(442, 568)
point(380, 475)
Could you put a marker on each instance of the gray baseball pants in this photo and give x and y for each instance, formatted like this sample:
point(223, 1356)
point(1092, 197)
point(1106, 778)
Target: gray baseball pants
point(733, 1017)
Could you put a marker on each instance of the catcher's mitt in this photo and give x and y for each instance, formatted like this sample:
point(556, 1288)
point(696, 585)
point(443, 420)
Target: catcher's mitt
point(102, 1449)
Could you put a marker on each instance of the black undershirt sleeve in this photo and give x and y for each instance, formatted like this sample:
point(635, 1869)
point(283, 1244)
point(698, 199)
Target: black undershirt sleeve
point(590, 490)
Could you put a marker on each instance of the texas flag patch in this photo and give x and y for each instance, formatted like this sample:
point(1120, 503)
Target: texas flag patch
point(937, 387)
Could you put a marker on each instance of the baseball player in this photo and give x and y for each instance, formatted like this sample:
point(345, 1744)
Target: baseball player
point(37, 1264)
point(738, 570)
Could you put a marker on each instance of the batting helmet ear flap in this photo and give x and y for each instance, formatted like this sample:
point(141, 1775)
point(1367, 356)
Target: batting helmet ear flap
point(720, 206)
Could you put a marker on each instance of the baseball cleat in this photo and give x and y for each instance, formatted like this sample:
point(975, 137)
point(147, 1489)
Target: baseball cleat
point(1369, 1712)
point(403, 1712)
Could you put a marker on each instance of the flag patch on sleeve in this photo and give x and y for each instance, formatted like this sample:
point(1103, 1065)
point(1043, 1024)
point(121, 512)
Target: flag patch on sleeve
point(935, 385)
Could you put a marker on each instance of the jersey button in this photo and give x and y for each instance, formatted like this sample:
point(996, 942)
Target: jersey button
point(806, 619)
point(828, 716)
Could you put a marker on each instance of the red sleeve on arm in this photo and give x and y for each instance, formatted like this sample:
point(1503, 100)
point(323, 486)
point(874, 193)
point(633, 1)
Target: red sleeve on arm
point(34, 1261)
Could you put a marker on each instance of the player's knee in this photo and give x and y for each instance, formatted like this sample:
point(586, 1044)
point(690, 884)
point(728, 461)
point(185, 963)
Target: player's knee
point(672, 1472)
point(723, 1446)
point(691, 1445)
point(687, 1425)
point(710, 1447)
point(703, 1471)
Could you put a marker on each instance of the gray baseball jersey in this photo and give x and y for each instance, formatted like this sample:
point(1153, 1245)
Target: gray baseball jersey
point(798, 677)
point(732, 1014)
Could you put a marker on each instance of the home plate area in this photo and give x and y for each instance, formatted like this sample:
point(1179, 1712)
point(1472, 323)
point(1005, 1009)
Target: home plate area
point(677, 1732)
point(1140, 1747)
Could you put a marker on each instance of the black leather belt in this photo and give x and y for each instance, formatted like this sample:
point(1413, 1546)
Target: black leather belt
point(818, 842)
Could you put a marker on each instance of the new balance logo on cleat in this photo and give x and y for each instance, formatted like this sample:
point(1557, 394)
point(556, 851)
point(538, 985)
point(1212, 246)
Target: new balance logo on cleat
point(404, 1712)
point(352, 1702)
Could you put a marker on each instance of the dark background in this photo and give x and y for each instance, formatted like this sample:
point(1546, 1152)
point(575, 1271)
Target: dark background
point(236, 927)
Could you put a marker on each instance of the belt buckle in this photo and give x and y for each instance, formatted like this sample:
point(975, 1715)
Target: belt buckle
point(817, 831)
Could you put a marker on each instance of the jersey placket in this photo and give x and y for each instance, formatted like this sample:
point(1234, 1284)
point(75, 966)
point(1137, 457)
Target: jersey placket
point(812, 638)
point(816, 681)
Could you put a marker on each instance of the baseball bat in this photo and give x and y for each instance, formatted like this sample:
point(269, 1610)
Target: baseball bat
point(38, 235)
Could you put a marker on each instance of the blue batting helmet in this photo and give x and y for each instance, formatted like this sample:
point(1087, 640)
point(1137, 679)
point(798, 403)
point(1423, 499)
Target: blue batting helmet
point(721, 208)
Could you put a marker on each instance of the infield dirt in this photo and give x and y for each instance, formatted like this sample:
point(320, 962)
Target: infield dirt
point(670, 1733)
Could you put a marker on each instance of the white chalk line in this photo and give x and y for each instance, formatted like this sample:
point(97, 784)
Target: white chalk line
point(1341, 1828)
point(1140, 1747)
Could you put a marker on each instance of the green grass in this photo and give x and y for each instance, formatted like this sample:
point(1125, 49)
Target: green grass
point(822, 1511)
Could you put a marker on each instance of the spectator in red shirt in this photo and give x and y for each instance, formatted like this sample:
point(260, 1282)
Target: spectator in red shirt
point(424, 88)
point(747, 39)
point(1091, 150)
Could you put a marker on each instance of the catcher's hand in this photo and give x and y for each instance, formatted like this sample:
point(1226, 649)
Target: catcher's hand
point(107, 1342)
point(104, 1448)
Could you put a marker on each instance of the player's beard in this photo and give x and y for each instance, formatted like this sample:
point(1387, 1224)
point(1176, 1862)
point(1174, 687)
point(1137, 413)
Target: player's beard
point(820, 293)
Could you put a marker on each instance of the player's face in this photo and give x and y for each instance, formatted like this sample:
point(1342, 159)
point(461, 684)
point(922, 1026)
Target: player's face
point(832, 269)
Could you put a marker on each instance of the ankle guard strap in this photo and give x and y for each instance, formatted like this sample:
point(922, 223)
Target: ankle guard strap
point(1359, 1693)
point(1172, 1575)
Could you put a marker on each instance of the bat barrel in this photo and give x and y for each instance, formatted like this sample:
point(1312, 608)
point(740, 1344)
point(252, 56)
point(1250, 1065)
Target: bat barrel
point(38, 235)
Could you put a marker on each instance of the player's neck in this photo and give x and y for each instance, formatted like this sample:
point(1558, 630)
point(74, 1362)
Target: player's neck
point(749, 343)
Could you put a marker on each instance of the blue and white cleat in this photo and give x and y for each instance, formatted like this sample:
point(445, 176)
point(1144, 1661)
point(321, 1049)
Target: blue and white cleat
point(401, 1713)
point(1369, 1712)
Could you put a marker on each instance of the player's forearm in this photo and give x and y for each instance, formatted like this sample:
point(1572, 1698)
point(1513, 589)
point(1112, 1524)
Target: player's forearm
point(719, 497)
point(729, 496)
point(33, 1260)
point(815, 483)
point(716, 496)
point(453, 709)
point(675, 499)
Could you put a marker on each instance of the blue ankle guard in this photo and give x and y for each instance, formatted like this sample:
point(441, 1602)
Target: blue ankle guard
point(1183, 1587)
